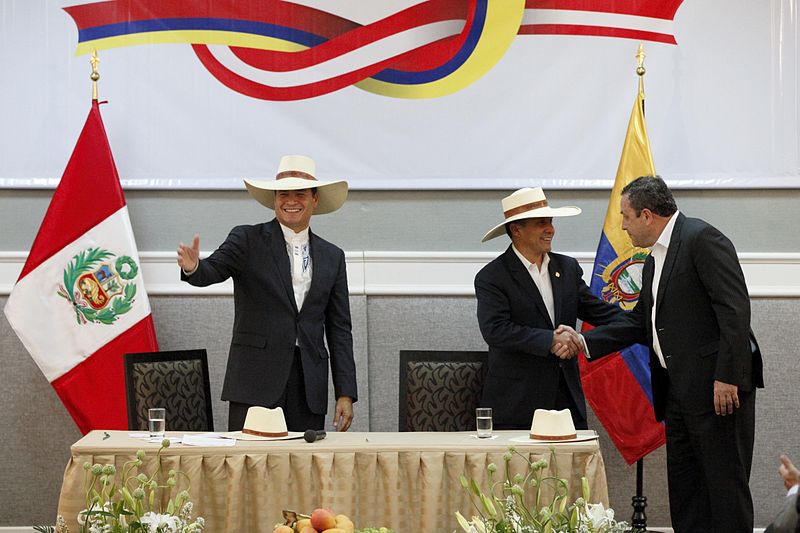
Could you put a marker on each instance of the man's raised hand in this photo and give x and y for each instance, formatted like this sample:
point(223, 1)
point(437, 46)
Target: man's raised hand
point(189, 257)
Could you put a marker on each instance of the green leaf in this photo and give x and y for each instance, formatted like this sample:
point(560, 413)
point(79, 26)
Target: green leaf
point(462, 522)
point(585, 489)
point(475, 488)
point(122, 306)
point(106, 316)
point(130, 291)
point(488, 505)
point(128, 498)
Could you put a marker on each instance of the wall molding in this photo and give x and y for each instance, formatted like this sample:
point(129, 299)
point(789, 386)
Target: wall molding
point(769, 275)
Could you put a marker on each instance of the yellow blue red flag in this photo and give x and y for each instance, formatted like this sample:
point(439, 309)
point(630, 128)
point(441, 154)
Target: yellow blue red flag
point(618, 386)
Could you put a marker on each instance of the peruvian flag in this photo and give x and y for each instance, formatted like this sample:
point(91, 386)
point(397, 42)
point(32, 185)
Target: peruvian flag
point(79, 303)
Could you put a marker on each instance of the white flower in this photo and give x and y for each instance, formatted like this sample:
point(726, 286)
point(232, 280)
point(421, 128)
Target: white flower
point(598, 516)
point(161, 523)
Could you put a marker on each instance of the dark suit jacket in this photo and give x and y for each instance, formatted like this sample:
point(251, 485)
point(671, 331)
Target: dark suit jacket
point(703, 317)
point(523, 375)
point(267, 322)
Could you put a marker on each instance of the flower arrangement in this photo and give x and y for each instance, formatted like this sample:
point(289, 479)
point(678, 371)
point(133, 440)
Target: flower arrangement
point(133, 506)
point(503, 509)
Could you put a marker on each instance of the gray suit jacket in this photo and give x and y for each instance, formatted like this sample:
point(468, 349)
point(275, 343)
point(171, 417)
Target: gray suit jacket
point(788, 519)
point(267, 322)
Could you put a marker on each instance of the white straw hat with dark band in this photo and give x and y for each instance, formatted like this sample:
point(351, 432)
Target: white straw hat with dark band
point(528, 203)
point(297, 172)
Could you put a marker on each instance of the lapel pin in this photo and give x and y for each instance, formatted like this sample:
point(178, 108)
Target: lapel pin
point(558, 274)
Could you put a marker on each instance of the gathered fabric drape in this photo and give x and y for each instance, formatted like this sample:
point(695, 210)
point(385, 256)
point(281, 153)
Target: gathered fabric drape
point(404, 481)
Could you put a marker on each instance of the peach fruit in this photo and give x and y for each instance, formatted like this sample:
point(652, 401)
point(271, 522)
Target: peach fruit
point(322, 519)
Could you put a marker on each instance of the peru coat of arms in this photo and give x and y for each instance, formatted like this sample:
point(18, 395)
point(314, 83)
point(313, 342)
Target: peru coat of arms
point(99, 285)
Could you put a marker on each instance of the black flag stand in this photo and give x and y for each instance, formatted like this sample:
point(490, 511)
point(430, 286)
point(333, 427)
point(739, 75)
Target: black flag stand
point(639, 502)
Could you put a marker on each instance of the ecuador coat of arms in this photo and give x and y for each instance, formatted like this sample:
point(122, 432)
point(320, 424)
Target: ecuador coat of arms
point(99, 285)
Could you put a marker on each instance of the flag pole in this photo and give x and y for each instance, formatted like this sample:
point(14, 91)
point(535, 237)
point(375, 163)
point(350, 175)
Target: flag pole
point(94, 60)
point(639, 502)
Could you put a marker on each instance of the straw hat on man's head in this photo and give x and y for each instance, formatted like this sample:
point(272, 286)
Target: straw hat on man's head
point(299, 172)
point(528, 203)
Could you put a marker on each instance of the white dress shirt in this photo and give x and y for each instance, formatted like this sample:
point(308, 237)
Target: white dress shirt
point(541, 278)
point(299, 261)
point(659, 253)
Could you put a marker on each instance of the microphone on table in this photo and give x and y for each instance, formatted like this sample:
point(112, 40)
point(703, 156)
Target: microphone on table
point(312, 435)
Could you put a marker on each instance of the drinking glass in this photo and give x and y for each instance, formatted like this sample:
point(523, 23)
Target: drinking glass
point(483, 421)
point(157, 421)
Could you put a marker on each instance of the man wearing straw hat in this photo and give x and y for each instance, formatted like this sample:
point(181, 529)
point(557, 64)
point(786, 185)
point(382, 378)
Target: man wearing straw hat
point(290, 291)
point(523, 295)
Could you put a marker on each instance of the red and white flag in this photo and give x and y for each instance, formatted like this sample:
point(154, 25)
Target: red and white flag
point(80, 303)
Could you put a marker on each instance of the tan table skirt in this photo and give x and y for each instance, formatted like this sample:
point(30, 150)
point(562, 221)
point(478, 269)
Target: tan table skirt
point(405, 481)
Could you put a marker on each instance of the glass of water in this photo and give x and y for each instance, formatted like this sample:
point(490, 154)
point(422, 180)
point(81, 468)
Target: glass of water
point(483, 421)
point(157, 421)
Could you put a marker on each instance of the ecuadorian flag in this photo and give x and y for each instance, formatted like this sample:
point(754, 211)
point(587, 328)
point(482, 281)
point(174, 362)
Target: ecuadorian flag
point(618, 386)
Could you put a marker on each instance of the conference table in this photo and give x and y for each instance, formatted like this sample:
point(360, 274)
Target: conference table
point(408, 482)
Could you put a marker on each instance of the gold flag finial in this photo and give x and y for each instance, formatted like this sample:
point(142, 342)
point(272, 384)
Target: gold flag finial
point(640, 60)
point(94, 60)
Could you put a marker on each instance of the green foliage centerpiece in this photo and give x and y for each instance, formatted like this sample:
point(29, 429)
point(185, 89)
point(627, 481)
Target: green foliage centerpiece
point(503, 509)
point(134, 505)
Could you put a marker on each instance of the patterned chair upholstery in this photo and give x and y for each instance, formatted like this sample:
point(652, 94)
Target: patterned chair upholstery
point(439, 391)
point(177, 381)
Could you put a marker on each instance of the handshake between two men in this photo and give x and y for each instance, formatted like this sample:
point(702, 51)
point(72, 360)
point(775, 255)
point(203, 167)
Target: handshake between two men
point(567, 343)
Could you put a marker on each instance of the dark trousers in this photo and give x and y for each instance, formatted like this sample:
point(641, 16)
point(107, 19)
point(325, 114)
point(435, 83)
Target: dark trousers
point(708, 467)
point(564, 400)
point(293, 402)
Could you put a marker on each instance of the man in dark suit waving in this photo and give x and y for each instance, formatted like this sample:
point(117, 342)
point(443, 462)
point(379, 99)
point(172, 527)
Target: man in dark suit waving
point(522, 296)
point(290, 292)
point(694, 314)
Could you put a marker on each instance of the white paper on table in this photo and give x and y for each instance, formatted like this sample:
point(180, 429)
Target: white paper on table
point(172, 440)
point(208, 439)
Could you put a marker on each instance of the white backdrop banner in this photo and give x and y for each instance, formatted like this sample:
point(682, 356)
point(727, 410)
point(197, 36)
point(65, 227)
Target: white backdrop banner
point(403, 94)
